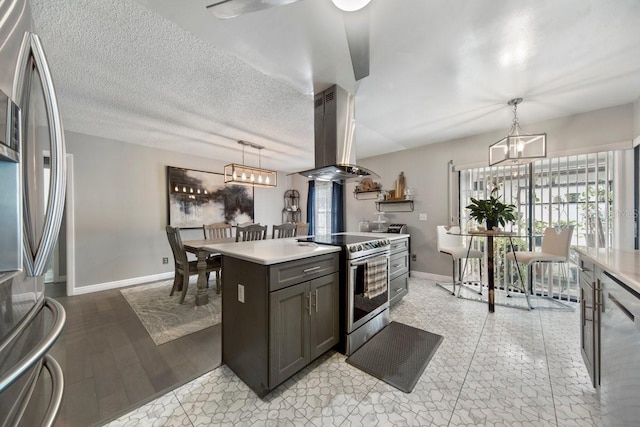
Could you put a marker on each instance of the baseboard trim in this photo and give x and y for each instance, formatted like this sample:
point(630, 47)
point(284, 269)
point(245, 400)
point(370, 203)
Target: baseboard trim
point(429, 276)
point(122, 283)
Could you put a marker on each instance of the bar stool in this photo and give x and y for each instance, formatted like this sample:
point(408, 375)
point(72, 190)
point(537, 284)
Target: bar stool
point(453, 245)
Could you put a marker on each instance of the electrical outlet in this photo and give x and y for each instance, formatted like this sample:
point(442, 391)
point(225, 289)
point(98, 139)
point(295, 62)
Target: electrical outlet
point(165, 260)
point(423, 217)
point(414, 257)
point(240, 293)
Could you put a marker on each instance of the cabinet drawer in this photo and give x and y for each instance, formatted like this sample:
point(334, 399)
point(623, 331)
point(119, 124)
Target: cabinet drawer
point(399, 245)
point(292, 272)
point(399, 264)
point(398, 288)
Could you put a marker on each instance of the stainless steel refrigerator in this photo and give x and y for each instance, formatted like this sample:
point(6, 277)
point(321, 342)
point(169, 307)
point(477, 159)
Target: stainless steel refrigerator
point(32, 184)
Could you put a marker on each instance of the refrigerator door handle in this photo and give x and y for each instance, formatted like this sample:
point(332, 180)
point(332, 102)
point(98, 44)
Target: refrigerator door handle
point(36, 259)
point(57, 390)
point(37, 353)
point(57, 386)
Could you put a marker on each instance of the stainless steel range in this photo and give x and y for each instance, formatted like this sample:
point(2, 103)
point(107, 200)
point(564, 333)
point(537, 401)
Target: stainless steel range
point(364, 286)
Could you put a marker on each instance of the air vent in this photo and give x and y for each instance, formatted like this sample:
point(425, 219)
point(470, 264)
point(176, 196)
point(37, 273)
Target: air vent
point(329, 96)
point(318, 103)
point(14, 127)
point(9, 129)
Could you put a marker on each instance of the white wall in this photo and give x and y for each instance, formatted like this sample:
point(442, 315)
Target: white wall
point(425, 169)
point(121, 207)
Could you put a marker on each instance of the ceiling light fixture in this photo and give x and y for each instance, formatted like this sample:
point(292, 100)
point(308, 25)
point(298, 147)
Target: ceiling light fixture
point(350, 5)
point(518, 147)
point(247, 175)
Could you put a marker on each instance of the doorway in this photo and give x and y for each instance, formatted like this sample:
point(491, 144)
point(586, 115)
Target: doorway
point(58, 281)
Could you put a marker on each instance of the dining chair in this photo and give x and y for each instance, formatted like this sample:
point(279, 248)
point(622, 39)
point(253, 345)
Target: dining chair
point(251, 232)
point(283, 231)
point(302, 229)
point(217, 230)
point(185, 268)
point(453, 246)
point(555, 248)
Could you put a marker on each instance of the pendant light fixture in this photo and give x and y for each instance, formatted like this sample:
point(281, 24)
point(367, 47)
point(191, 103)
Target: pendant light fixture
point(518, 147)
point(350, 5)
point(248, 175)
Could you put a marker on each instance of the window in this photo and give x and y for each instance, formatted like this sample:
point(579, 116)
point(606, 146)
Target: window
point(323, 207)
point(577, 191)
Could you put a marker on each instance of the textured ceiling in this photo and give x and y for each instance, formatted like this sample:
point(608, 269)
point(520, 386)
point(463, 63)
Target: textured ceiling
point(168, 74)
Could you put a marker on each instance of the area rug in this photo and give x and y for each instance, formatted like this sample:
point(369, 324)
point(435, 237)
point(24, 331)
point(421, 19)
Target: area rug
point(164, 318)
point(397, 355)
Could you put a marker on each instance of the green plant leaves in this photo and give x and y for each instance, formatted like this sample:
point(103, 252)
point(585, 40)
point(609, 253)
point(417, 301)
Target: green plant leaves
point(491, 210)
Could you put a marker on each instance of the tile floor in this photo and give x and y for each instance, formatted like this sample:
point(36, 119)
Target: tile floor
point(510, 368)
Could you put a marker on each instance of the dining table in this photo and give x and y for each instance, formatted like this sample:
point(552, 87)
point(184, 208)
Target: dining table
point(489, 235)
point(199, 248)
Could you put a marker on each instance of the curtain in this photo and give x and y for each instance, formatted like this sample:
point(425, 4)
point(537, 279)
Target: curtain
point(337, 208)
point(311, 206)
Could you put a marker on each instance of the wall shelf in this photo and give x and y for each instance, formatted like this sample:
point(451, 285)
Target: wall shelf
point(291, 212)
point(366, 195)
point(402, 205)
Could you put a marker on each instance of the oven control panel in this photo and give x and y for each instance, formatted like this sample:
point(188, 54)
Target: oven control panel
point(367, 246)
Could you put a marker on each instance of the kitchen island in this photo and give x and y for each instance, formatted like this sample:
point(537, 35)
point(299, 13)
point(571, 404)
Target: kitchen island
point(610, 329)
point(280, 307)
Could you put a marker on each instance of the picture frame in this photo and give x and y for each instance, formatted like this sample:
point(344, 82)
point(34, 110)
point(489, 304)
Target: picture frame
point(196, 197)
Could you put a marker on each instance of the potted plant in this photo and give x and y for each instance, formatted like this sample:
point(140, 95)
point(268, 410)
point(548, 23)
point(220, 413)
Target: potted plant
point(492, 212)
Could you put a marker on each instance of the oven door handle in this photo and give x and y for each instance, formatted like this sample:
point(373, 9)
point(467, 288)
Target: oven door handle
point(356, 264)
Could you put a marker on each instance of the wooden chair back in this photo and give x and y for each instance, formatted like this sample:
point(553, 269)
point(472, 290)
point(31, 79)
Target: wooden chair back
point(302, 229)
point(218, 230)
point(283, 231)
point(177, 248)
point(251, 232)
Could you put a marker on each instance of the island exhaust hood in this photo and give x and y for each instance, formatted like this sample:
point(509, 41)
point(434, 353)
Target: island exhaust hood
point(334, 120)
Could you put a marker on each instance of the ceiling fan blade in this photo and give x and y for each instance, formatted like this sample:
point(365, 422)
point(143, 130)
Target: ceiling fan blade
point(356, 25)
point(225, 9)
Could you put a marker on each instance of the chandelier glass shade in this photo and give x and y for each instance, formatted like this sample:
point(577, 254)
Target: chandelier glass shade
point(249, 175)
point(518, 147)
point(350, 5)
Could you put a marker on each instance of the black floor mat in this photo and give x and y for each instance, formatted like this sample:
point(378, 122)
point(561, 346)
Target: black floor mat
point(397, 355)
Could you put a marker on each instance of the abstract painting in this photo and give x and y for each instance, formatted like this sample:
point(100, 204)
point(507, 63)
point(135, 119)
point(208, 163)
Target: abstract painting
point(198, 197)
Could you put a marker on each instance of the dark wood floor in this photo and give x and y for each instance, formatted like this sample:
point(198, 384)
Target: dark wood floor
point(111, 365)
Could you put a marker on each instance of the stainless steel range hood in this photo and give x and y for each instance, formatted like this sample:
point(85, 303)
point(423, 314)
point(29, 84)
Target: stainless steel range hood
point(334, 118)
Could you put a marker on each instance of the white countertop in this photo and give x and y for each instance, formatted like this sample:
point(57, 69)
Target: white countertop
point(623, 264)
point(271, 251)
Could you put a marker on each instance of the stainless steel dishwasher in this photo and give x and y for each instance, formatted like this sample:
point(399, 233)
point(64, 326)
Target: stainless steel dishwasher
point(620, 353)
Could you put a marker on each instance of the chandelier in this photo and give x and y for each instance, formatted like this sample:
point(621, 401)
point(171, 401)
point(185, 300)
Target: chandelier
point(248, 175)
point(518, 147)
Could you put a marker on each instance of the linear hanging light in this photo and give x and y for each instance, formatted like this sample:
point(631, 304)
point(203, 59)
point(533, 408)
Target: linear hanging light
point(518, 147)
point(249, 175)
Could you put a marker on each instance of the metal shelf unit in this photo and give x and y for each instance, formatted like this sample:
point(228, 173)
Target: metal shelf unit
point(366, 195)
point(403, 205)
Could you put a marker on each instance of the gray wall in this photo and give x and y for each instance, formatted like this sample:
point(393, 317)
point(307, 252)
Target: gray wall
point(636, 120)
point(425, 169)
point(121, 207)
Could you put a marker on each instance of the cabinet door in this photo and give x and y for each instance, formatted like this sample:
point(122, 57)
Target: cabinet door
point(587, 325)
point(289, 332)
point(325, 316)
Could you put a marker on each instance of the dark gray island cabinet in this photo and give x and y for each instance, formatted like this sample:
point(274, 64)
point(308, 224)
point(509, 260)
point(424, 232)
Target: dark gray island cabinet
point(278, 318)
